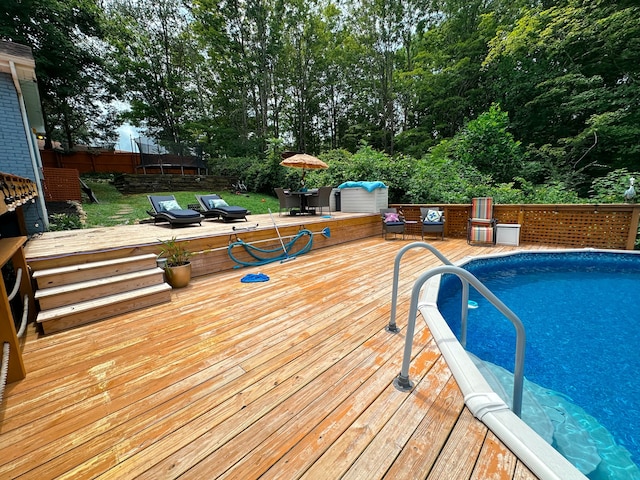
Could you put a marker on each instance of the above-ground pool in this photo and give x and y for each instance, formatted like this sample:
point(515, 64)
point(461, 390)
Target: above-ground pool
point(581, 314)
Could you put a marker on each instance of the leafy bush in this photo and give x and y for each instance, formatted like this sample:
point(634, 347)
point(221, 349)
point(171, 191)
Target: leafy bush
point(235, 168)
point(486, 144)
point(611, 187)
point(366, 165)
point(440, 178)
point(63, 221)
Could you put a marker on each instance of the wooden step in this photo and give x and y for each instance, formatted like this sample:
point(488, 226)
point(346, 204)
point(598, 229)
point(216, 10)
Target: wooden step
point(81, 313)
point(55, 297)
point(55, 277)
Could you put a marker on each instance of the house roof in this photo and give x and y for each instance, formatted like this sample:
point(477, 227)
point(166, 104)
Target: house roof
point(17, 60)
point(20, 56)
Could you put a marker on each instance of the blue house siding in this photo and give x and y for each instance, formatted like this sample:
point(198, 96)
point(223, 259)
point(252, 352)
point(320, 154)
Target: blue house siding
point(14, 153)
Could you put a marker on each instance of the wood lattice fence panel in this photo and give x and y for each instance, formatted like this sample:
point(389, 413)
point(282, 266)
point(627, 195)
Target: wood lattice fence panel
point(61, 184)
point(576, 228)
point(456, 219)
point(611, 226)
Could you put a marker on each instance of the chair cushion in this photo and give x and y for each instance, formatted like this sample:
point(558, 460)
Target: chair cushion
point(217, 202)
point(391, 217)
point(233, 210)
point(481, 234)
point(167, 205)
point(433, 216)
point(185, 213)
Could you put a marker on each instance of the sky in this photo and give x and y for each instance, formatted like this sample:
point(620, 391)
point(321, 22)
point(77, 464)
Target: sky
point(126, 134)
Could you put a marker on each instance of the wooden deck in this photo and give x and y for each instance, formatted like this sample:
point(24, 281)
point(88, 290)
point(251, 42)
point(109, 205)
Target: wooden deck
point(290, 378)
point(209, 241)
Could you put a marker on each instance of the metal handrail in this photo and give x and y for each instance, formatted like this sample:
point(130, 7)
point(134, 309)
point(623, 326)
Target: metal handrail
point(402, 382)
point(392, 327)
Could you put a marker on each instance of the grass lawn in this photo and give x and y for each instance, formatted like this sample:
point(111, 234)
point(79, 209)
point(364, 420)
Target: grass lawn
point(114, 208)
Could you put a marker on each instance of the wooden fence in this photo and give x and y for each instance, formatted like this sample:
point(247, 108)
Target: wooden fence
point(119, 162)
point(91, 162)
point(611, 226)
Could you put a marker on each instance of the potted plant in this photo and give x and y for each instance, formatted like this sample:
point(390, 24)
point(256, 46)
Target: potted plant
point(178, 265)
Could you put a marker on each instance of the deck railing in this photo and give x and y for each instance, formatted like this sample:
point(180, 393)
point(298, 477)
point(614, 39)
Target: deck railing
point(611, 226)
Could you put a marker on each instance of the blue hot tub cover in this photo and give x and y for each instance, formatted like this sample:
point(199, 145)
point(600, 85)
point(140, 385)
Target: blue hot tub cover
point(368, 186)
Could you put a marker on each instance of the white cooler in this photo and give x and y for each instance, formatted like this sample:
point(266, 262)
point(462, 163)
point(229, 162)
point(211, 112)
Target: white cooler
point(508, 234)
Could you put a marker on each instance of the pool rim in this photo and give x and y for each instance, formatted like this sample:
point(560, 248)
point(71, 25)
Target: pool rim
point(539, 456)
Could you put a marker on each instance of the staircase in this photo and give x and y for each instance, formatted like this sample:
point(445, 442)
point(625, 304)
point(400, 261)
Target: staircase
point(78, 294)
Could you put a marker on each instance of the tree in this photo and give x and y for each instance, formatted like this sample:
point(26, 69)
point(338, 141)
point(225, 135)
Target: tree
point(66, 39)
point(486, 144)
point(154, 56)
point(381, 27)
point(569, 73)
point(243, 44)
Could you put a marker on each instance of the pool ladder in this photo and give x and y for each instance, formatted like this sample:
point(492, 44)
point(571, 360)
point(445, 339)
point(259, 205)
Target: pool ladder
point(402, 382)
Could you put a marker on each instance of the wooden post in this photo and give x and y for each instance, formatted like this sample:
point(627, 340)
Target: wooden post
point(633, 228)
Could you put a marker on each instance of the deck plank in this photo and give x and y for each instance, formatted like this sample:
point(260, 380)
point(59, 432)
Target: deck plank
point(346, 449)
point(458, 457)
point(380, 455)
point(495, 461)
point(288, 378)
point(421, 451)
point(275, 434)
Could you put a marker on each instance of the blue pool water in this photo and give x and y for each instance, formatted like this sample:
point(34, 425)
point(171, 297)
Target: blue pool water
point(581, 313)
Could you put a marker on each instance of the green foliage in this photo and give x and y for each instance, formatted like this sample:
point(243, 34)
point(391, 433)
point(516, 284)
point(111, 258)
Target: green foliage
point(65, 37)
point(267, 173)
point(439, 178)
point(566, 73)
point(486, 144)
point(233, 167)
point(175, 252)
point(155, 63)
point(339, 162)
point(63, 221)
point(227, 78)
point(611, 187)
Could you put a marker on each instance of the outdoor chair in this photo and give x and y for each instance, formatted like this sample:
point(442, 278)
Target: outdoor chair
point(392, 222)
point(481, 227)
point(321, 199)
point(167, 209)
point(212, 206)
point(432, 219)
point(287, 202)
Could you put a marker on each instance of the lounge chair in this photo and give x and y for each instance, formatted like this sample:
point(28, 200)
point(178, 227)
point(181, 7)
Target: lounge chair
point(321, 199)
point(167, 209)
point(392, 222)
point(481, 227)
point(432, 219)
point(287, 202)
point(215, 207)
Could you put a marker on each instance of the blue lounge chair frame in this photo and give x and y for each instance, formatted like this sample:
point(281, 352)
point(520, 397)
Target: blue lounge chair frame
point(179, 216)
point(227, 213)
